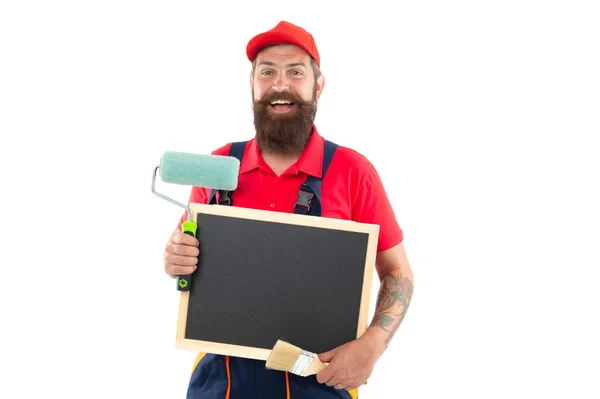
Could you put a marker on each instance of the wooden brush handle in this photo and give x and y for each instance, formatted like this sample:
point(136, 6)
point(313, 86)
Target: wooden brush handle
point(316, 365)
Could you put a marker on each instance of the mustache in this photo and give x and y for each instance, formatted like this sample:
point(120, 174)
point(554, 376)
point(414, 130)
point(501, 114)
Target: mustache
point(287, 96)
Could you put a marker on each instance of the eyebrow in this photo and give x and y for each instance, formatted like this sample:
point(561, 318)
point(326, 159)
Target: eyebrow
point(294, 64)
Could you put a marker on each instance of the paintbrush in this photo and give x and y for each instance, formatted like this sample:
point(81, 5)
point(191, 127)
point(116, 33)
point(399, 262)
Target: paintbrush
point(287, 357)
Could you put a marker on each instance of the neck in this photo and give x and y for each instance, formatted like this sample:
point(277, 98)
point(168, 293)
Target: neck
point(279, 162)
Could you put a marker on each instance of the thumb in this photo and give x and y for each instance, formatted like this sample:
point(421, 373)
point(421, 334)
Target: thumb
point(327, 357)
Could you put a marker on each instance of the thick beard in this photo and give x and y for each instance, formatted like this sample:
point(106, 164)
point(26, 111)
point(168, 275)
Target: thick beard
point(284, 133)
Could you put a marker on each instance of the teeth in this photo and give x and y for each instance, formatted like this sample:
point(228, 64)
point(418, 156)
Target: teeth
point(281, 102)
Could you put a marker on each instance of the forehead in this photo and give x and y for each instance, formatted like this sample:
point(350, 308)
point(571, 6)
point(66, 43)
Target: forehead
point(283, 53)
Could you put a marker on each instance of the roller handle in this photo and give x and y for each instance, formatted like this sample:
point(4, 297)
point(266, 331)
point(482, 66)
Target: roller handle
point(184, 282)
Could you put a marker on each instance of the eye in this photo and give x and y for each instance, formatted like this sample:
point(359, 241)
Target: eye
point(296, 73)
point(267, 72)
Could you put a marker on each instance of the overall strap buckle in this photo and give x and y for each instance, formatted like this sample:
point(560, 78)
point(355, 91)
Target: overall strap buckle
point(305, 198)
point(309, 195)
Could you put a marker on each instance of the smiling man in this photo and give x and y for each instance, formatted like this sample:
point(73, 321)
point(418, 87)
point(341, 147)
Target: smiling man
point(287, 153)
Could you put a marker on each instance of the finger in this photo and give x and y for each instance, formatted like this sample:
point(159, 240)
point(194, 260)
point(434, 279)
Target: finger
point(334, 377)
point(327, 357)
point(341, 386)
point(333, 381)
point(181, 260)
point(185, 239)
point(325, 375)
point(176, 270)
point(185, 250)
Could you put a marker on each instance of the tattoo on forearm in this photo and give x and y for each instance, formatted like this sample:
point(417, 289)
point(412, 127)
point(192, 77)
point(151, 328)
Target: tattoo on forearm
point(392, 303)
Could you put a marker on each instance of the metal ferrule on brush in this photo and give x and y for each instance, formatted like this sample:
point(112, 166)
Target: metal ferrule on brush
point(302, 363)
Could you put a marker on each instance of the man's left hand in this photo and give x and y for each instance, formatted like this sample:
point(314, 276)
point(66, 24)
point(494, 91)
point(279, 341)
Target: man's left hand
point(352, 363)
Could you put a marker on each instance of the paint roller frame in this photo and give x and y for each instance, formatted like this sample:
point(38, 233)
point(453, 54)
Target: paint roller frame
point(189, 227)
point(211, 171)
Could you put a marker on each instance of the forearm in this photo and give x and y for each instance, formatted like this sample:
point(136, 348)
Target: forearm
point(394, 297)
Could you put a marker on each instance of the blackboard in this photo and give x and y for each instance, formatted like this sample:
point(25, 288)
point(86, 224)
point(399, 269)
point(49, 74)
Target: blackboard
point(264, 276)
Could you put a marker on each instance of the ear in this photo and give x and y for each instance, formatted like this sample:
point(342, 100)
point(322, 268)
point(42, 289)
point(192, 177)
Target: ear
point(320, 85)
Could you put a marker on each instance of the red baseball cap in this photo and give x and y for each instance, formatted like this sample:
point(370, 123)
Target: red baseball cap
point(284, 32)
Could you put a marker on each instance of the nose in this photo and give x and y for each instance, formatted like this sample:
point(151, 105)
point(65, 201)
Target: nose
point(281, 83)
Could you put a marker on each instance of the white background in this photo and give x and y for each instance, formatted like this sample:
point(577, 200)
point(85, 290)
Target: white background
point(492, 109)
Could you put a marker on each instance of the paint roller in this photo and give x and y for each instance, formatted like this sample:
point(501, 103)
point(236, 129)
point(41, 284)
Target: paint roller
point(210, 171)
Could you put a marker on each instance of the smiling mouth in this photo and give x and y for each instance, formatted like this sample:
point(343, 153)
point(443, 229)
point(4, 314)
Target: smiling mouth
point(281, 106)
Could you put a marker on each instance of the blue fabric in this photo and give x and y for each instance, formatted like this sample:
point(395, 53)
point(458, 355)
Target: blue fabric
point(251, 380)
point(209, 379)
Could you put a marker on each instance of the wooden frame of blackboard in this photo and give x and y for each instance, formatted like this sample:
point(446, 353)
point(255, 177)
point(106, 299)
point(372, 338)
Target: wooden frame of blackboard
point(182, 342)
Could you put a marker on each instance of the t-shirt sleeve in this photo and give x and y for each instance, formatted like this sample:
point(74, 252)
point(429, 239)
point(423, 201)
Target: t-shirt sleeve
point(372, 206)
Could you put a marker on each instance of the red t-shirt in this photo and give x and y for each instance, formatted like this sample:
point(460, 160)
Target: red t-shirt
point(350, 190)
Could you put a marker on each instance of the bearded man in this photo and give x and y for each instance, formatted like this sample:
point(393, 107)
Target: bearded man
point(286, 83)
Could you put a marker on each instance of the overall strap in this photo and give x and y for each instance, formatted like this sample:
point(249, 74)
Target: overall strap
point(236, 150)
point(309, 195)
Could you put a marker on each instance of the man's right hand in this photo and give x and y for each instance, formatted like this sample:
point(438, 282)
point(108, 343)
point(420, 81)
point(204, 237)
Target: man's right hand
point(181, 254)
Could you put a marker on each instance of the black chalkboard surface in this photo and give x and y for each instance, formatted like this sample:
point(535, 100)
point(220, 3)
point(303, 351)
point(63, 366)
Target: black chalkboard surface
point(264, 276)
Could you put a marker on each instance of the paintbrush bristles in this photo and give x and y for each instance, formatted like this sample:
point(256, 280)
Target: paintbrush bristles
point(287, 357)
point(283, 356)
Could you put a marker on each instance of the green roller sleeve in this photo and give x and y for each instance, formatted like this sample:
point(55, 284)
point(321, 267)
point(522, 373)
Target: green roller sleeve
point(213, 171)
point(184, 283)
